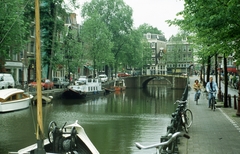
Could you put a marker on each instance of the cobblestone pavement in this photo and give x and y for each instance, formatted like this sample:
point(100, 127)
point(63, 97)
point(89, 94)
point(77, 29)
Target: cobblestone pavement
point(212, 132)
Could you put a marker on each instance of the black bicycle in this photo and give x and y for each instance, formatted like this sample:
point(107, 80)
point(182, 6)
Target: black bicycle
point(213, 100)
point(185, 115)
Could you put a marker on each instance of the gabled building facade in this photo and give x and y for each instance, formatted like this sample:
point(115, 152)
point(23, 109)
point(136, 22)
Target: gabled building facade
point(179, 56)
point(157, 64)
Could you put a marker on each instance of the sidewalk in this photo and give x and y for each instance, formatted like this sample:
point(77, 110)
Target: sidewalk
point(212, 132)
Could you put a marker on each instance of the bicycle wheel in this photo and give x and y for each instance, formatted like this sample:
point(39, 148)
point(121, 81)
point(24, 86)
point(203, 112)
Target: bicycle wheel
point(188, 118)
point(184, 122)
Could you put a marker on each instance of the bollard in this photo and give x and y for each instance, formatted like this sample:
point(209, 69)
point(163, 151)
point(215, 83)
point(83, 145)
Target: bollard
point(235, 101)
point(222, 96)
point(238, 107)
point(229, 100)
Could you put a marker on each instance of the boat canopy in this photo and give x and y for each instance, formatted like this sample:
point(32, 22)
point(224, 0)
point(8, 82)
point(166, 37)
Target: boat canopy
point(4, 93)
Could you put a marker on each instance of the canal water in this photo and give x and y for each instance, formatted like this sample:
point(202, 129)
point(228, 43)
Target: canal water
point(113, 122)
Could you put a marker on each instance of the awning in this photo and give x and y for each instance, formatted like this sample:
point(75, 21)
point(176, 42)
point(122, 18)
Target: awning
point(231, 69)
point(89, 67)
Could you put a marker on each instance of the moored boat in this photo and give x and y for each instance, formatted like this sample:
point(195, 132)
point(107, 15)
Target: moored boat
point(92, 86)
point(14, 99)
point(119, 84)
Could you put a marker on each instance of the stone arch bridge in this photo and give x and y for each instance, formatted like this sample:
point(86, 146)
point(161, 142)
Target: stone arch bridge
point(176, 82)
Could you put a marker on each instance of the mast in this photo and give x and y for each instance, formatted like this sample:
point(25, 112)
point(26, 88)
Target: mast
point(40, 130)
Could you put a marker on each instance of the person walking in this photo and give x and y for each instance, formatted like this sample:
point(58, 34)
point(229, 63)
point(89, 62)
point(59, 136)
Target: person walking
point(197, 88)
point(211, 88)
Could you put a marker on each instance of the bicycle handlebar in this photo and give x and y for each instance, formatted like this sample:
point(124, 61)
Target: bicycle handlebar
point(178, 101)
point(172, 137)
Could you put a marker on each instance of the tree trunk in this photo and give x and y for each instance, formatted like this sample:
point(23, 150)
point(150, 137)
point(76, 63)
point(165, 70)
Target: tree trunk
point(216, 69)
point(225, 81)
point(208, 68)
point(53, 42)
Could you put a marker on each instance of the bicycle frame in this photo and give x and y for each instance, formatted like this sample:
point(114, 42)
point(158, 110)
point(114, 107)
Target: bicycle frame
point(212, 101)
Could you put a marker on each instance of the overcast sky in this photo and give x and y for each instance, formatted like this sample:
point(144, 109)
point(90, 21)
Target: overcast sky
point(154, 13)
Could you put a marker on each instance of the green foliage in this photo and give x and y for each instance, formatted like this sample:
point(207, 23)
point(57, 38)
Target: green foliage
point(13, 28)
point(215, 24)
point(97, 41)
point(12, 25)
point(117, 17)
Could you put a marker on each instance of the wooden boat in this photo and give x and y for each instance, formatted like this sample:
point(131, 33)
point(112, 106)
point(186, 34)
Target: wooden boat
point(108, 90)
point(64, 140)
point(14, 99)
point(81, 90)
point(119, 84)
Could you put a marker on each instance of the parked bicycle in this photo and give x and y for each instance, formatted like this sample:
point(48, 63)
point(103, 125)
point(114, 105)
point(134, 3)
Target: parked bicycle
point(185, 116)
point(163, 147)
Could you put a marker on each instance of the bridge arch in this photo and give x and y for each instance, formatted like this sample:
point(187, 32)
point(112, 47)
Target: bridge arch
point(142, 81)
point(145, 82)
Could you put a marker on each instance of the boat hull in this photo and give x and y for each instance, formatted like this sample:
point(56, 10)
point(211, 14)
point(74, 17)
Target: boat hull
point(14, 105)
point(14, 99)
point(119, 88)
point(72, 94)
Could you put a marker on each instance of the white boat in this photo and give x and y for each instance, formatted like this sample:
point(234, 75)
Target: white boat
point(14, 99)
point(91, 86)
point(66, 139)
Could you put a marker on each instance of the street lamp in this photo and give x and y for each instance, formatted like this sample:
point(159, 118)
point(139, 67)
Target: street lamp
point(219, 78)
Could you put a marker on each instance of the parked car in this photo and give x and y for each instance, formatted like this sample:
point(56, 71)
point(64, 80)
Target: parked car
point(103, 78)
point(45, 83)
point(81, 80)
point(123, 74)
point(60, 82)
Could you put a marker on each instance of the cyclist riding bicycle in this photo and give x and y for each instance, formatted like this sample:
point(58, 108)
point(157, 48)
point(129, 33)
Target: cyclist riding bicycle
point(211, 88)
point(197, 88)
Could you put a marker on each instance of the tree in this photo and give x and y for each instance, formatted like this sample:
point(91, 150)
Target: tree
point(97, 41)
point(13, 29)
point(53, 14)
point(117, 16)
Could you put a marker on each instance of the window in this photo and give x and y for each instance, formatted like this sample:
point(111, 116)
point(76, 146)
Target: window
point(153, 44)
point(148, 35)
point(32, 47)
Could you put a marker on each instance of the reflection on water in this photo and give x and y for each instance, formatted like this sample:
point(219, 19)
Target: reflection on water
point(113, 122)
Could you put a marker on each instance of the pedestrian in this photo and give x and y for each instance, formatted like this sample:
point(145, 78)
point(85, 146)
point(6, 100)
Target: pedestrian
point(230, 79)
point(197, 88)
point(234, 81)
point(211, 88)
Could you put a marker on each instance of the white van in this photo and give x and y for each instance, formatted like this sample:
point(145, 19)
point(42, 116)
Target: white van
point(103, 77)
point(6, 81)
